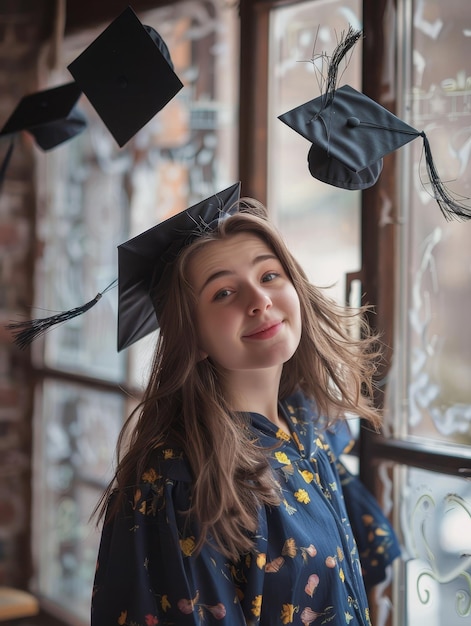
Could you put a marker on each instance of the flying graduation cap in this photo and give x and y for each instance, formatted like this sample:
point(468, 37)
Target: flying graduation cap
point(127, 75)
point(51, 116)
point(143, 264)
point(350, 134)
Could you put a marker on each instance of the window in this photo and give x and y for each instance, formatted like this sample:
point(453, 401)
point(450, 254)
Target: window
point(429, 399)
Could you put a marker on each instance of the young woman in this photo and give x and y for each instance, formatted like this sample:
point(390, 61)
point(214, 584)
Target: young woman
point(230, 504)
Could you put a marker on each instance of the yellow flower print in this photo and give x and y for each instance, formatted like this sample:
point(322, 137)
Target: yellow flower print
point(187, 545)
point(122, 618)
point(289, 548)
point(367, 615)
point(308, 551)
point(164, 603)
point(381, 532)
point(282, 458)
point(289, 509)
point(287, 613)
point(341, 575)
point(288, 470)
point(150, 476)
point(308, 616)
point(367, 519)
point(330, 562)
point(274, 566)
point(261, 560)
point(298, 442)
point(219, 610)
point(311, 585)
point(308, 476)
point(256, 606)
point(169, 454)
point(143, 508)
point(340, 554)
point(302, 495)
point(280, 434)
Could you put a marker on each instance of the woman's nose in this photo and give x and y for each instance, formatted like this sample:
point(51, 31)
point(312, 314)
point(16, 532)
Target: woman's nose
point(258, 301)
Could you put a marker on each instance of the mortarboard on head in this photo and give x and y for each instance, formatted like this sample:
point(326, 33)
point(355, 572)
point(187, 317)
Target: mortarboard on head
point(143, 261)
point(350, 134)
point(50, 116)
point(127, 74)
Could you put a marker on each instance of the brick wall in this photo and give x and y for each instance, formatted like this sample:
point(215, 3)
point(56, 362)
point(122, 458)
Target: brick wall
point(22, 28)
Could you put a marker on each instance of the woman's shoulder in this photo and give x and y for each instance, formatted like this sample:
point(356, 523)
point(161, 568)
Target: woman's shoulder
point(167, 462)
point(336, 434)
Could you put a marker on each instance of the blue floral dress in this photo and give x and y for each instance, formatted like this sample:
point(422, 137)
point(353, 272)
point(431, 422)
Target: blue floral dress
point(309, 563)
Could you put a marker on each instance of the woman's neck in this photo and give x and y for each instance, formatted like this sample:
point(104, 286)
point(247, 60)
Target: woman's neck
point(256, 391)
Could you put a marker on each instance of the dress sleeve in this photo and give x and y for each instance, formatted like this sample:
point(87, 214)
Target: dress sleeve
point(148, 573)
point(377, 543)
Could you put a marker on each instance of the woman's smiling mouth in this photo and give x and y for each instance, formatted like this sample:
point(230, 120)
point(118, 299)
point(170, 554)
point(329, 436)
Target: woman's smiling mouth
point(267, 331)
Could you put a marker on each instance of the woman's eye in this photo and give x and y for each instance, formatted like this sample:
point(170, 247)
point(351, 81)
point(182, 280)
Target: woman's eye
point(222, 294)
point(269, 276)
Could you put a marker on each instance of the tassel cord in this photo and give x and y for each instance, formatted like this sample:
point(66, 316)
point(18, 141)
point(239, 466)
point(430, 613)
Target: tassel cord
point(450, 208)
point(27, 331)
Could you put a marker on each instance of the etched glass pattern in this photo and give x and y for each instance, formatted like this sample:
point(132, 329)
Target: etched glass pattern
point(435, 515)
point(434, 357)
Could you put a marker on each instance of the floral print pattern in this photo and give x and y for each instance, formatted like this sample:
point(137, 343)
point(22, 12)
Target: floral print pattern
point(305, 568)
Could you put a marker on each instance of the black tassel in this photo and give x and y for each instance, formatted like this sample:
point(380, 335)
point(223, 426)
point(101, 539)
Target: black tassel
point(26, 332)
point(345, 44)
point(450, 208)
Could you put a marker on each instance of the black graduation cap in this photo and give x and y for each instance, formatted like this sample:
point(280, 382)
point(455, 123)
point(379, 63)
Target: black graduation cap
point(50, 116)
point(349, 137)
point(143, 261)
point(127, 74)
point(350, 134)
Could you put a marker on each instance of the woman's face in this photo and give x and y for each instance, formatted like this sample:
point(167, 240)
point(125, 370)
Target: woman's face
point(247, 310)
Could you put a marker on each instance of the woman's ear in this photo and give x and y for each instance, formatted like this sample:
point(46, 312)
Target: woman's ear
point(202, 355)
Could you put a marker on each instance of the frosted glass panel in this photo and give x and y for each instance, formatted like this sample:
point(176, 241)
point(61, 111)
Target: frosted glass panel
point(320, 222)
point(434, 365)
point(436, 526)
point(74, 451)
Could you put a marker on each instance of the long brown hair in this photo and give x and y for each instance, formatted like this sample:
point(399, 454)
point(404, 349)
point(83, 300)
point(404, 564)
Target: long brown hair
point(184, 402)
